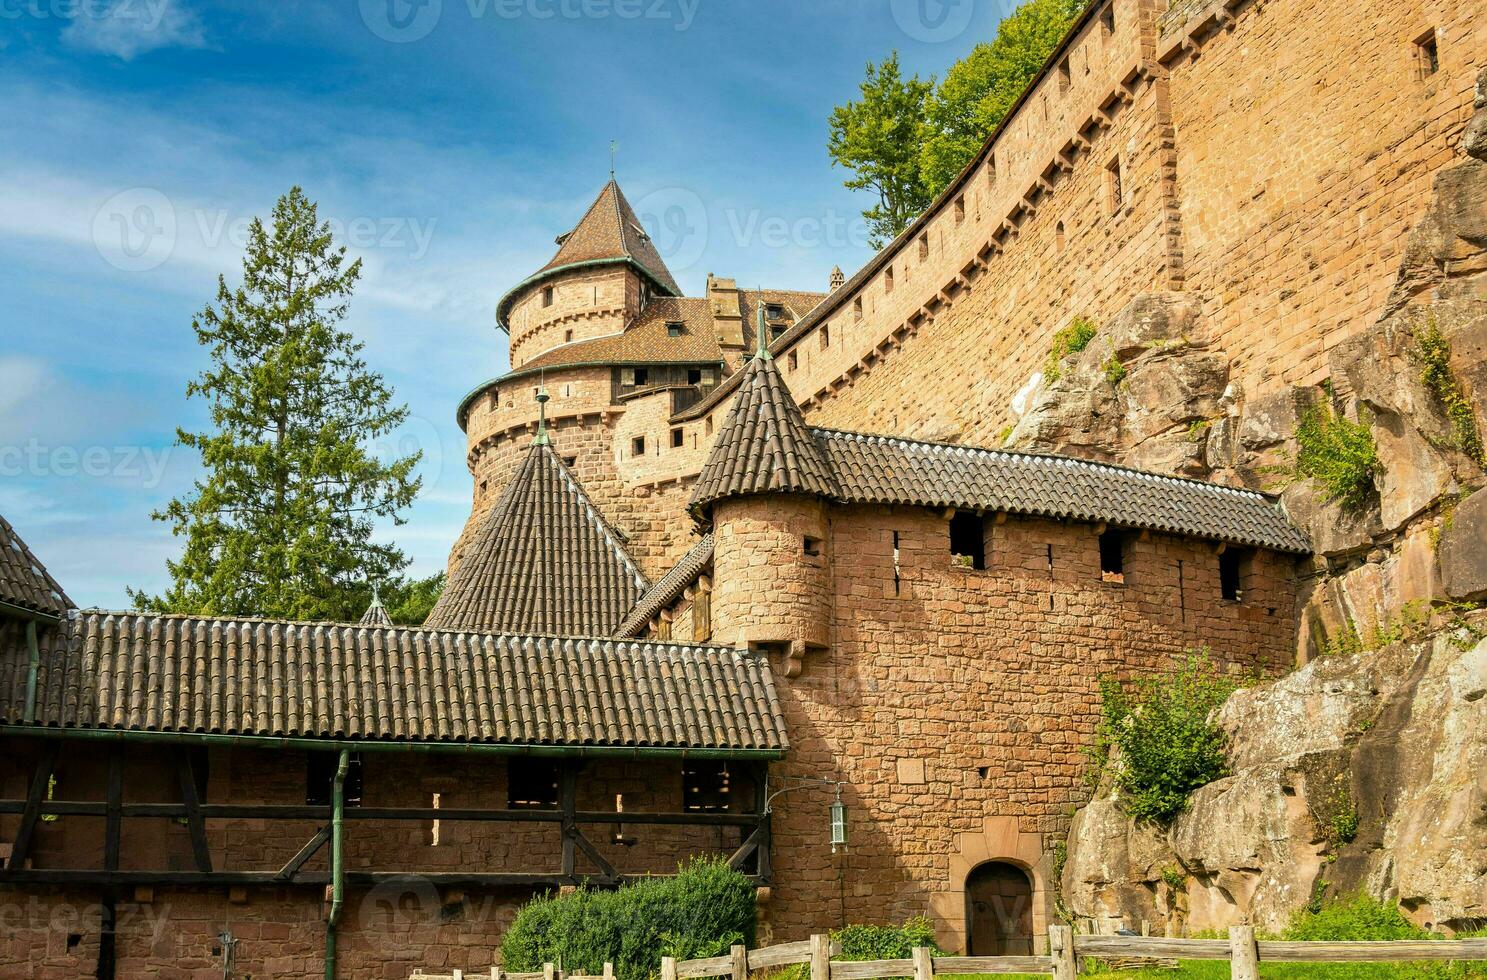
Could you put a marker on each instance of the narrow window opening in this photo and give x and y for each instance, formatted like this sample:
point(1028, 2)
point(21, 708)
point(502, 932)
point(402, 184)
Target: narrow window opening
point(707, 426)
point(1113, 556)
point(642, 376)
point(1428, 54)
point(923, 247)
point(1050, 578)
point(1107, 19)
point(320, 775)
point(1182, 593)
point(637, 446)
point(434, 826)
point(857, 308)
point(812, 546)
point(706, 787)
point(531, 784)
point(567, 336)
point(547, 296)
point(1114, 186)
point(694, 376)
point(991, 170)
point(888, 279)
point(1234, 566)
point(1065, 78)
point(967, 541)
point(825, 336)
point(570, 461)
point(1059, 237)
point(677, 438)
point(960, 209)
point(895, 563)
point(794, 360)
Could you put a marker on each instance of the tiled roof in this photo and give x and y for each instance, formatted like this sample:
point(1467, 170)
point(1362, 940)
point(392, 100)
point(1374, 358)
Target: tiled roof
point(542, 561)
point(286, 680)
point(886, 470)
point(669, 588)
point(376, 614)
point(797, 304)
point(764, 446)
point(647, 340)
point(24, 581)
point(609, 232)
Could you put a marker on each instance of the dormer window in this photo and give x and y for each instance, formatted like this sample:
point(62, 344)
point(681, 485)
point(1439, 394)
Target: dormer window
point(675, 328)
point(774, 311)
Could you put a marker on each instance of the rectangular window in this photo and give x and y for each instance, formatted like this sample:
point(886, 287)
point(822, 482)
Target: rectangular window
point(567, 336)
point(1234, 567)
point(794, 360)
point(694, 376)
point(1113, 556)
point(707, 426)
point(811, 546)
point(531, 784)
point(1065, 77)
point(1428, 54)
point(857, 308)
point(676, 438)
point(320, 777)
point(675, 328)
point(774, 311)
point(547, 295)
point(642, 376)
point(967, 541)
point(706, 787)
point(960, 209)
point(923, 247)
point(888, 279)
point(637, 446)
point(991, 170)
point(1107, 19)
point(825, 336)
point(1114, 186)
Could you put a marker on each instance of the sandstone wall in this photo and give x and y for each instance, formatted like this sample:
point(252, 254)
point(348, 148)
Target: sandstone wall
point(585, 304)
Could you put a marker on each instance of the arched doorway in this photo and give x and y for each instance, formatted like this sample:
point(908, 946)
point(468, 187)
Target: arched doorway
point(999, 910)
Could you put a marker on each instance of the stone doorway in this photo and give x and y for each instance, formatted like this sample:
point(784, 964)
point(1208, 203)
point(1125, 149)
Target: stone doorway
point(999, 910)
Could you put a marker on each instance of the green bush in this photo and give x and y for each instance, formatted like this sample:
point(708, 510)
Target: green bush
point(1166, 746)
point(1070, 340)
point(702, 911)
point(1433, 353)
point(1357, 919)
point(884, 942)
point(1338, 454)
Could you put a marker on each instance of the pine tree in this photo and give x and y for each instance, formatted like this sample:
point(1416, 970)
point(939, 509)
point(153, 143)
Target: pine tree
point(281, 524)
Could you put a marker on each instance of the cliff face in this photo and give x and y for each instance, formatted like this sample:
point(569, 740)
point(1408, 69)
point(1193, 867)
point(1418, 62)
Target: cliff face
point(1366, 769)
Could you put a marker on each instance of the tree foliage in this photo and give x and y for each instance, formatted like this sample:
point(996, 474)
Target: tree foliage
point(878, 138)
point(702, 911)
point(907, 139)
point(409, 601)
point(1156, 740)
point(281, 524)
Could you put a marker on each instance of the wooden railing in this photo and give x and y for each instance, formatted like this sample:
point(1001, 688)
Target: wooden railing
point(1066, 950)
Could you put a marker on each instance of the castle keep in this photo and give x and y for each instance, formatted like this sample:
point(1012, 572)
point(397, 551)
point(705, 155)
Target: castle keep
point(752, 540)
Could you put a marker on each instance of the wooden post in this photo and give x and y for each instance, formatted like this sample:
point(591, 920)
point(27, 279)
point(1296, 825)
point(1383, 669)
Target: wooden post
point(1061, 947)
point(459, 975)
point(740, 956)
point(820, 957)
point(1244, 955)
point(608, 970)
point(668, 968)
point(924, 967)
point(549, 972)
point(495, 973)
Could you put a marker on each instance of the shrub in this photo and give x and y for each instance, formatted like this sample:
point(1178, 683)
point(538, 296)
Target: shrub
point(1070, 340)
point(1166, 745)
point(1338, 454)
point(885, 942)
point(702, 911)
point(1115, 371)
point(1359, 919)
point(1433, 353)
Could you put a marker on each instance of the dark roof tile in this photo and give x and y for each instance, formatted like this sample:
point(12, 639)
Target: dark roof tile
point(669, 587)
point(24, 581)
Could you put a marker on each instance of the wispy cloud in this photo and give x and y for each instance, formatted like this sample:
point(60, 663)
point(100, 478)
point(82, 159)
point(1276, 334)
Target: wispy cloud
point(128, 28)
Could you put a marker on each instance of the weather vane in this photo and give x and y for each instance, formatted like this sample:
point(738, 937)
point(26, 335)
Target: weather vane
point(614, 148)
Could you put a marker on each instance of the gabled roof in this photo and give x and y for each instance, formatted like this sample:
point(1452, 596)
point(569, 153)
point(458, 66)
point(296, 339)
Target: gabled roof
point(24, 581)
point(886, 470)
point(608, 233)
point(669, 587)
point(764, 445)
point(188, 676)
point(543, 561)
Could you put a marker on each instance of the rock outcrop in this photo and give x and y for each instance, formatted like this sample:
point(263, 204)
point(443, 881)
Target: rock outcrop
point(1363, 773)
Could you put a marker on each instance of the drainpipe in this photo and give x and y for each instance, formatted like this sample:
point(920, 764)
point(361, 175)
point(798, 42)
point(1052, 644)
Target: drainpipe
point(32, 671)
point(337, 879)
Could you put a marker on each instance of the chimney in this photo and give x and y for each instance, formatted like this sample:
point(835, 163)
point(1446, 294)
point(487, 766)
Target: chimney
point(837, 278)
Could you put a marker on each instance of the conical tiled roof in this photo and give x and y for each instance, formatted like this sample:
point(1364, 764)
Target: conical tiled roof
point(24, 582)
point(609, 231)
point(376, 614)
point(765, 445)
point(544, 561)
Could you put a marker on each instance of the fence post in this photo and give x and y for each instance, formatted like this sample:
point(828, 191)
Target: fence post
point(740, 956)
point(668, 968)
point(1244, 955)
point(1061, 946)
point(608, 970)
point(820, 957)
point(549, 972)
point(924, 967)
point(495, 973)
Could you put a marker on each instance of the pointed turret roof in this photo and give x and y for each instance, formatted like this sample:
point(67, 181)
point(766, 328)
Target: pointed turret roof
point(25, 584)
point(765, 445)
point(544, 560)
point(608, 233)
point(376, 614)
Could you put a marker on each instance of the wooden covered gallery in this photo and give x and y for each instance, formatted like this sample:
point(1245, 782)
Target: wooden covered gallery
point(268, 797)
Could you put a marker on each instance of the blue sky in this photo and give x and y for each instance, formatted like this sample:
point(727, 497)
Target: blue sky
point(448, 140)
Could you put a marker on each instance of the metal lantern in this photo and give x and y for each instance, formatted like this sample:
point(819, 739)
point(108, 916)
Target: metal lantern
point(838, 823)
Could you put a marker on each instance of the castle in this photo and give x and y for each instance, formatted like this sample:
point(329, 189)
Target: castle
point(760, 541)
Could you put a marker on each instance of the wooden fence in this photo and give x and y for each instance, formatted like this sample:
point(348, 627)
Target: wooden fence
point(1066, 950)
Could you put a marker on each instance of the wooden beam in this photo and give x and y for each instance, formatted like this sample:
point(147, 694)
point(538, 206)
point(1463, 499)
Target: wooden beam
point(314, 844)
point(765, 829)
point(194, 820)
point(273, 811)
point(319, 879)
point(31, 812)
point(114, 818)
point(749, 846)
point(568, 804)
point(584, 844)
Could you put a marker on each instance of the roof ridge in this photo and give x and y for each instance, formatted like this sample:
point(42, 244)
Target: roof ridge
point(587, 502)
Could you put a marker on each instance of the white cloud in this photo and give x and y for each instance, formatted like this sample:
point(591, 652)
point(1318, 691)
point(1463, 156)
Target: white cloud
point(126, 28)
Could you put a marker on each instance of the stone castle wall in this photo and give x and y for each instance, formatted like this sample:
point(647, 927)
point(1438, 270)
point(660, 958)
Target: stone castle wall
point(585, 304)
